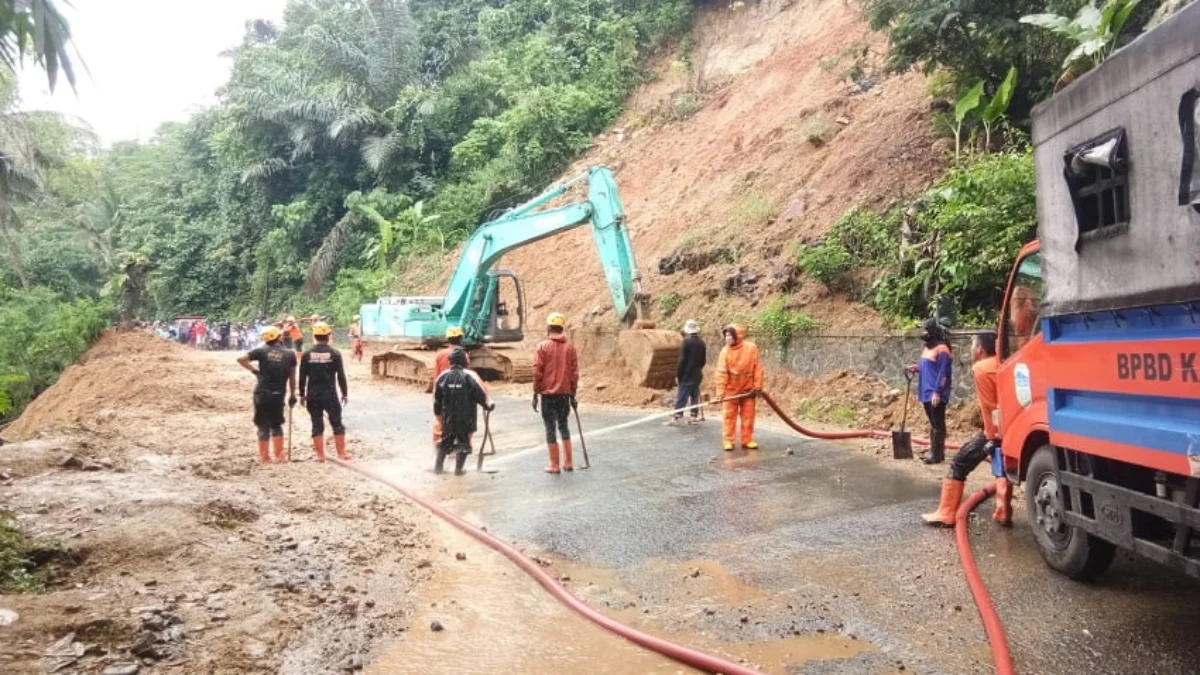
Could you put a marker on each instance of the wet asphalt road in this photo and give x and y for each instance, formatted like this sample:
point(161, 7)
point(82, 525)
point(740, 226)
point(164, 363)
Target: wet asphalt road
point(824, 540)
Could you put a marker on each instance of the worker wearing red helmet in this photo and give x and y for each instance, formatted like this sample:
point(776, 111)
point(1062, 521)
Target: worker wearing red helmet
point(739, 381)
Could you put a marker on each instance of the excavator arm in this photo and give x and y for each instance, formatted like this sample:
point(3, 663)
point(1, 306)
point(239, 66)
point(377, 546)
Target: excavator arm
point(468, 296)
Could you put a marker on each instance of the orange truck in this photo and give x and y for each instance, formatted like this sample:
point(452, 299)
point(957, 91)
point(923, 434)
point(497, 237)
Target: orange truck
point(1099, 385)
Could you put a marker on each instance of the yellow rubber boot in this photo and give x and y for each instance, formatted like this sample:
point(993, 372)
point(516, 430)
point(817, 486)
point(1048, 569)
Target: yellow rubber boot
point(951, 496)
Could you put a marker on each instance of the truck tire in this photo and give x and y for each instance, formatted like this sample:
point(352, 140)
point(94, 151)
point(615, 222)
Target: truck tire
point(1068, 550)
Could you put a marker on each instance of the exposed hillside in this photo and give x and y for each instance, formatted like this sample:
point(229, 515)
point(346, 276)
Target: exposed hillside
point(778, 147)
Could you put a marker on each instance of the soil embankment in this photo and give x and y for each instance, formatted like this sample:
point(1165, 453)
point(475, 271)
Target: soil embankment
point(173, 548)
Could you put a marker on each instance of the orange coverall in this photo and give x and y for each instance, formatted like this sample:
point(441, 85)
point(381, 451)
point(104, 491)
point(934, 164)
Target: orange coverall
point(739, 371)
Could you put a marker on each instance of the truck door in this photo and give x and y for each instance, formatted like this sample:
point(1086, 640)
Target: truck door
point(1020, 382)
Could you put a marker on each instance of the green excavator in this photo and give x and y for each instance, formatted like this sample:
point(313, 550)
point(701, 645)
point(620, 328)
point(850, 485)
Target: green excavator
point(489, 304)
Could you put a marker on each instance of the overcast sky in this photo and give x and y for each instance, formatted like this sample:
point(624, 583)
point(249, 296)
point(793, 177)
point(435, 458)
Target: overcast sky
point(150, 61)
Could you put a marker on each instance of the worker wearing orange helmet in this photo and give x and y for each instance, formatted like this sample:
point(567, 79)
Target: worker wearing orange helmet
point(739, 381)
point(276, 369)
point(441, 363)
point(321, 374)
point(555, 382)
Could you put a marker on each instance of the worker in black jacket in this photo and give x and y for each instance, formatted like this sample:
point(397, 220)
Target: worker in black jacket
point(455, 395)
point(689, 373)
point(321, 373)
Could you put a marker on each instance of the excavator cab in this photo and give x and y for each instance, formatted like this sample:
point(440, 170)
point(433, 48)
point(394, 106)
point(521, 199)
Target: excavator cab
point(506, 319)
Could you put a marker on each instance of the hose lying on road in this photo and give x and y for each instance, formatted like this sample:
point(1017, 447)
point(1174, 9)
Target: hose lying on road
point(987, 612)
point(837, 435)
point(690, 657)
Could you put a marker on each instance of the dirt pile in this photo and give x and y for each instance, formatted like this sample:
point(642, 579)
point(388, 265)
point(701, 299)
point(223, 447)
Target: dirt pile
point(127, 379)
point(177, 550)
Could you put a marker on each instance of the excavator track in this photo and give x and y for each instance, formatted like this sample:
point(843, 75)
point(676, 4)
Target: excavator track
point(415, 365)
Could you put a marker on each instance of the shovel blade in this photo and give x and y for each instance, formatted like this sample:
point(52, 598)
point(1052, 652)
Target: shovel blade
point(901, 445)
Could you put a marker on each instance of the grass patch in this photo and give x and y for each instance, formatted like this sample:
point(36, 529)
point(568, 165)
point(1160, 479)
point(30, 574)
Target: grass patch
point(22, 569)
point(755, 209)
point(667, 304)
point(780, 323)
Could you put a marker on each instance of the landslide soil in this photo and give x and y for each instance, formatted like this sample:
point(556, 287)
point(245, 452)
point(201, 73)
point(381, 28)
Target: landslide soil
point(719, 199)
point(175, 550)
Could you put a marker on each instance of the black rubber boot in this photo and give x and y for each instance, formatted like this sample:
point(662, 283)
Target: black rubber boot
point(459, 462)
point(937, 448)
point(441, 460)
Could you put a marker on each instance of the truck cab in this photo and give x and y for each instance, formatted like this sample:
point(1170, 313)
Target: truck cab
point(1099, 384)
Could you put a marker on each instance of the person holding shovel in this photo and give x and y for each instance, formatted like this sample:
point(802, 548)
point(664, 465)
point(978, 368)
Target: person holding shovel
point(456, 394)
point(979, 449)
point(276, 368)
point(933, 386)
point(555, 382)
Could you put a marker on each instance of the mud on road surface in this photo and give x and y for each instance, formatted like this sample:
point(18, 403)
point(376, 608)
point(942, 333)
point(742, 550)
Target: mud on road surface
point(174, 551)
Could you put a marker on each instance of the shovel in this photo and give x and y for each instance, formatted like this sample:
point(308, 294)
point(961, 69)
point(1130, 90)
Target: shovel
point(487, 440)
point(289, 455)
point(587, 464)
point(902, 440)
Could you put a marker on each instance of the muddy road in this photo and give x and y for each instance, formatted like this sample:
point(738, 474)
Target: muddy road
point(805, 557)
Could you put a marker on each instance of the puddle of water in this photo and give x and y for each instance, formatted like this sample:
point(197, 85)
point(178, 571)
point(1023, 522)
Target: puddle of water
point(497, 619)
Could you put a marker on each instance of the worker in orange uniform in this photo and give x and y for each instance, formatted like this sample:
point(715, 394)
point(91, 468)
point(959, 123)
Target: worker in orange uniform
point(555, 382)
point(441, 363)
point(296, 334)
point(739, 374)
point(982, 447)
point(356, 343)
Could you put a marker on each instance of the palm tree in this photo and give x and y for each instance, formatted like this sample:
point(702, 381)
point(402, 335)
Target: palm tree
point(341, 93)
point(36, 26)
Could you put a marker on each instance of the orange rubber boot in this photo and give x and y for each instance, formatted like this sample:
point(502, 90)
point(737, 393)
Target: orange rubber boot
point(568, 464)
point(277, 444)
point(747, 409)
point(1003, 512)
point(319, 446)
point(339, 442)
point(951, 496)
point(553, 467)
point(264, 452)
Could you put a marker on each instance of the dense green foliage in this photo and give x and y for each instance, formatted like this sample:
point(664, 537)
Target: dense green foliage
point(43, 335)
point(956, 240)
point(349, 139)
point(973, 40)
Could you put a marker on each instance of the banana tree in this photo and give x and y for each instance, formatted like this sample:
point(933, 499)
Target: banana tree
point(965, 105)
point(996, 108)
point(1095, 31)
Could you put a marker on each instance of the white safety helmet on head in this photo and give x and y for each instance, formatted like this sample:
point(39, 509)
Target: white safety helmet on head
point(691, 327)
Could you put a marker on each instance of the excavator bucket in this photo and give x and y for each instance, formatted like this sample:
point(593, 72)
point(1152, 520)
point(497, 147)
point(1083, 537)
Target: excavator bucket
point(415, 366)
point(651, 355)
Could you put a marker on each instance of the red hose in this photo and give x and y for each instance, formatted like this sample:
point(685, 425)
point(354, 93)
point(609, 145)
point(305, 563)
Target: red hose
point(987, 612)
point(684, 655)
point(837, 435)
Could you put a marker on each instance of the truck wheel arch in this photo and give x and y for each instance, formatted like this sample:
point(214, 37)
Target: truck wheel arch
point(1034, 440)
